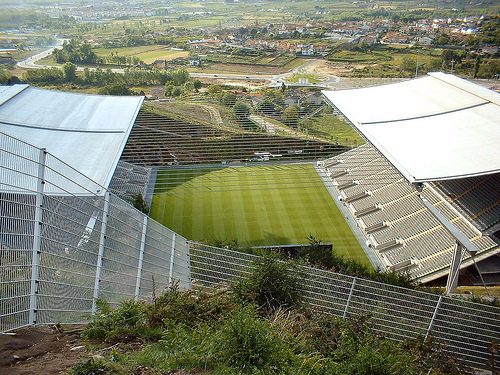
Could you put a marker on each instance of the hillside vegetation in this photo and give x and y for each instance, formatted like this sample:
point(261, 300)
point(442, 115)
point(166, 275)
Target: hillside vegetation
point(258, 325)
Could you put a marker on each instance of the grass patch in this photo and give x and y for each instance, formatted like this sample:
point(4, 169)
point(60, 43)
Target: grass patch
point(161, 54)
point(256, 206)
point(313, 78)
point(148, 54)
point(125, 51)
point(360, 57)
point(330, 128)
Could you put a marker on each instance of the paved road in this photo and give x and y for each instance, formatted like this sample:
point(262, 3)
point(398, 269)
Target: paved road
point(273, 80)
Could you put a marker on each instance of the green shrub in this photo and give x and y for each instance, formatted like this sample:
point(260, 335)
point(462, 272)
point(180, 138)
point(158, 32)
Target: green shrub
point(320, 256)
point(90, 367)
point(190, 307)
point(273, 284)
point(128, 322)
point(248, 343)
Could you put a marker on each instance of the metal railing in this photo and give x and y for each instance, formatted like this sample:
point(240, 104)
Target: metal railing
point(466, 329)
point(65, 242)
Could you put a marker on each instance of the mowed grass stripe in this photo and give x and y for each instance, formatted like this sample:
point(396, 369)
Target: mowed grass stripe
point(256, 206)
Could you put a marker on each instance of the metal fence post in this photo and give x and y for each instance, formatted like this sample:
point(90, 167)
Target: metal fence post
point(141, 258)
point(37, 238)
point(349, 298)
point(172, 260)
point(188, 249)
point(102, 243)
point(433, 317)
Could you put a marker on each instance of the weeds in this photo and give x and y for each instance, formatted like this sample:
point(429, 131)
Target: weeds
point(259, 325)
point(90, 367)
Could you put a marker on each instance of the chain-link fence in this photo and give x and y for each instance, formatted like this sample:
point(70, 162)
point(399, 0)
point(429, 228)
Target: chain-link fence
point(466, 329)
point(65, 242)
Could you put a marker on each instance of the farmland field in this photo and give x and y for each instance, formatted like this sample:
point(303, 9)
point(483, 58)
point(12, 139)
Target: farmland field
point(146, 53)
point(262, 205)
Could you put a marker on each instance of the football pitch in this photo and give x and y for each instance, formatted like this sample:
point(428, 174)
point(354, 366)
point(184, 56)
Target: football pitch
point(256, 206)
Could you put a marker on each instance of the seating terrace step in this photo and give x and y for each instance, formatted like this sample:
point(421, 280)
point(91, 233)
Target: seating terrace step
point(368, 210)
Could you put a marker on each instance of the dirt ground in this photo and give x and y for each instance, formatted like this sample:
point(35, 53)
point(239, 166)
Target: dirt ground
point(328, 68)
point(41, 350)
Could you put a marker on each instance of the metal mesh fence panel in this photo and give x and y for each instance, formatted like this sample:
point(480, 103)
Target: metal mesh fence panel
point(398, 313)
point(70, 239)
point(327, 291)
point(467, 329)
point(18, 181)
point(121, 251)
point(166, 261)
point(215, 266)
point(464, 329)
point(64, 242)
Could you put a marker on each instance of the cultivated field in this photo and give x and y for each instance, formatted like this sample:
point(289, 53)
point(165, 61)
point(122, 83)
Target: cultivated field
point(148, 54)
point(263, 205)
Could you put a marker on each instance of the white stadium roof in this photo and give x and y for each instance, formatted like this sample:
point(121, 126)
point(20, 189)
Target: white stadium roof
point(87, 132)
point(436, 127)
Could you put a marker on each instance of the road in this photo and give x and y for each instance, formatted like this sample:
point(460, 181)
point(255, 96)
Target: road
point(329, 81)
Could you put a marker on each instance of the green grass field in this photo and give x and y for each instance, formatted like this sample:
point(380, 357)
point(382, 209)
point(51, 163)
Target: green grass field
point(263, 205)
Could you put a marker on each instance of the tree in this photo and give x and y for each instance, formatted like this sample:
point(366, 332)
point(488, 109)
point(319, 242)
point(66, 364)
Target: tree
point(273, 284)
point(477, 65)
point(176, 91)
point(434, 64)
point(228, 99)
point(188, 86)
point(449, 58)
point(139, 202)
point(4, 76)
point(214, 89)
point(442, 40)
point(180, 76)
point(115, 89)
point(69, 72)
point(197, 84)
point(291, 116)
point(408, 64)
point(87, 56)
point(169, 88)
point(241, 110)
point(87, 77)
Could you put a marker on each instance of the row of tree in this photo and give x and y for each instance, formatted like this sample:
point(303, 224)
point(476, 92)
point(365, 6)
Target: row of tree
point(100, 77)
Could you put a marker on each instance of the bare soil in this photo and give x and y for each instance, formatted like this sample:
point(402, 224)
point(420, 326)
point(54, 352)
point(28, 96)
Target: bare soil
point(41, 350)
point(47, 350)
point(247, 68)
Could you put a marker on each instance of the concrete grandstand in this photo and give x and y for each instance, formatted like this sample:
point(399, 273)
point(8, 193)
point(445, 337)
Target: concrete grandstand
point(429, 140)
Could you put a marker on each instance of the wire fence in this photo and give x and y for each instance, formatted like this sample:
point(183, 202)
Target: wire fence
point(465, 329)
point(66, 242)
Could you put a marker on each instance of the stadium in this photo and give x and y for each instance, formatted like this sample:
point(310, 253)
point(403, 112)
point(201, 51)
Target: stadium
point(382, 186)
point(420, 196)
